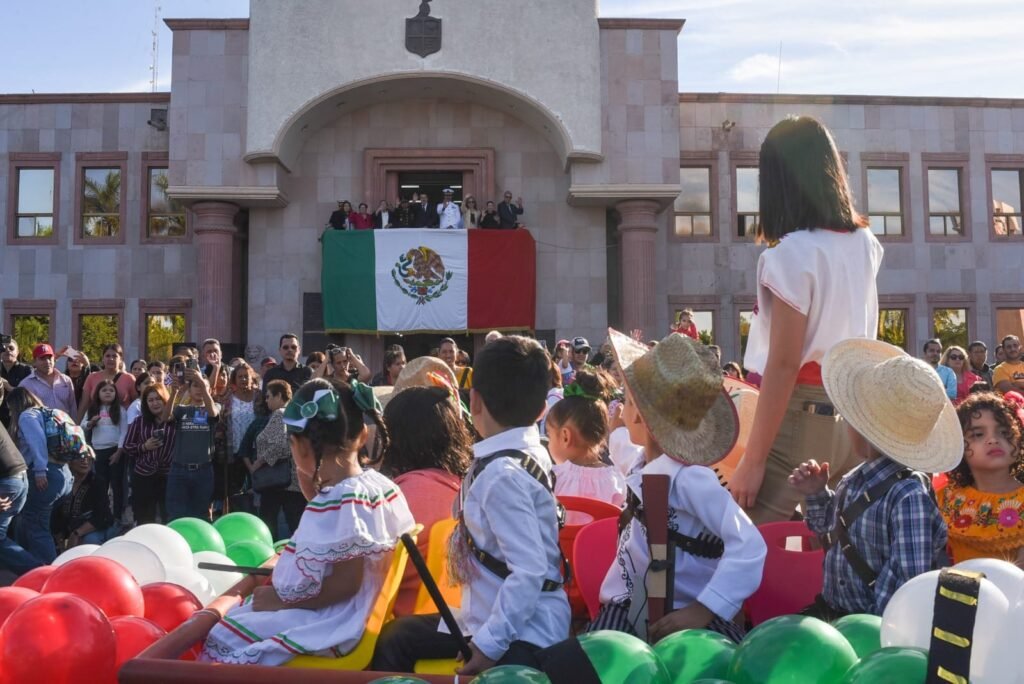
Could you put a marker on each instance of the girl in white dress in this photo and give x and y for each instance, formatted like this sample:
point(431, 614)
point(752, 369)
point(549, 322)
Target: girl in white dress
point(328, 577)
point(577, 428)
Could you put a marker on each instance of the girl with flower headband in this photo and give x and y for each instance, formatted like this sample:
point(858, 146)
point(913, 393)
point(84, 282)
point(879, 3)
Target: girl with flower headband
point(577, 429)
point(329, 575)
point(983, 503)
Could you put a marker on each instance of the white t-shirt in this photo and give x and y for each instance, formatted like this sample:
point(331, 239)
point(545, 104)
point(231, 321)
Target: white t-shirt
point(829, 276)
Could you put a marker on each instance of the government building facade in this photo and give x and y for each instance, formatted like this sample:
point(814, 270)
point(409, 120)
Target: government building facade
point(158, 217)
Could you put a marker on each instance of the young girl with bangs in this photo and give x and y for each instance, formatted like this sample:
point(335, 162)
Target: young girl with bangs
point(983, 504)
point(107, 426)
point(577, 428)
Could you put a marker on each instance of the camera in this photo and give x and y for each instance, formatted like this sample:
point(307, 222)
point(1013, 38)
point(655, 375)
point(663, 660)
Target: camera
point(5, 339)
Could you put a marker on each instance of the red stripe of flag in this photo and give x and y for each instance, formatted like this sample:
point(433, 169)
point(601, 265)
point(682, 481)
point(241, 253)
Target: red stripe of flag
point(502, 280)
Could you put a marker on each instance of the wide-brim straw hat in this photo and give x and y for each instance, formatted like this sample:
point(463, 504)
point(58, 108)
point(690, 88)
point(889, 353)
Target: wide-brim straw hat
point(678, 390)
point(417, 374)
point(894, 401)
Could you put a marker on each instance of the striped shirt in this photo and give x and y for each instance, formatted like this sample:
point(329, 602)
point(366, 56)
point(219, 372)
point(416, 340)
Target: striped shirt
point(149, 462)
point(900, 536)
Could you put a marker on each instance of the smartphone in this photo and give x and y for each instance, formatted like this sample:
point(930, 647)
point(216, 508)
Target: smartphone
point(159, 434)
point(192, 364)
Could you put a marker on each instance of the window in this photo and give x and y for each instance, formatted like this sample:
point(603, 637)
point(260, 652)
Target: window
point(950, 326)
point(746, 318)
point(29, 330)
point(1009, 321)
point(704, 320)
point(165, 217)
point(885, 200)
point(693, 206)
point(97, 330)
point(35, 203)
point(163, 331)
point(1007, 192)
point(892, 327)
point(746, 201)
point(101, 202)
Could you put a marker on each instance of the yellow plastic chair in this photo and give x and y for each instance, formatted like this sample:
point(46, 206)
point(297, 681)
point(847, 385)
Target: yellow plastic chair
point(437, 564)
point(359, 657)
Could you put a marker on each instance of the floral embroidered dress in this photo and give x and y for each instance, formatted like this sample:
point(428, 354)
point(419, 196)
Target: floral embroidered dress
point(602, 482)
point(983, 525)
point(361, 517)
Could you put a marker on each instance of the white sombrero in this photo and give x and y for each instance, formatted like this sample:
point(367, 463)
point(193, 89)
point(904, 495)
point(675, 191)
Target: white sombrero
point(894, 401)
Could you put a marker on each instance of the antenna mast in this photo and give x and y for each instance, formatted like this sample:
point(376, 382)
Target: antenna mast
point(154, 65)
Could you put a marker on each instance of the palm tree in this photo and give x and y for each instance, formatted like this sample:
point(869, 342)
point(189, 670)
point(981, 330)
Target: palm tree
point(101, 205)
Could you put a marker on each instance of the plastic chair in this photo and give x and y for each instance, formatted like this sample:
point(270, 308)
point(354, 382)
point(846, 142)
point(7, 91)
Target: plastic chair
point(437, 563)
point(593, 552)
point(580, 511)
point(359, 657)
point(791, 578)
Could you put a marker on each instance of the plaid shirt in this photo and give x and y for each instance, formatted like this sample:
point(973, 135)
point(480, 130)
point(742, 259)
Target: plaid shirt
point(900, 536)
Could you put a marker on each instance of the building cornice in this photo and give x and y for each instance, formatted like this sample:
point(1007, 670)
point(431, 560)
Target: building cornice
point(207, 24)
point(246, 196)
point(88, 98)
point(643, 24)
point(765, 98)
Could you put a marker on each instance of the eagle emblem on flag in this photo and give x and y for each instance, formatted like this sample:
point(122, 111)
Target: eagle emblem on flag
point(420, 274)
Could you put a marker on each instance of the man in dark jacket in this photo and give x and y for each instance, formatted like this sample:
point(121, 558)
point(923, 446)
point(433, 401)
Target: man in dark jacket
point(11, 370)
point(508, 213)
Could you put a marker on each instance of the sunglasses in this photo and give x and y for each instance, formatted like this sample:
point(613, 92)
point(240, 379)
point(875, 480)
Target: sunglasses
point(10, 348)
point(956, 357)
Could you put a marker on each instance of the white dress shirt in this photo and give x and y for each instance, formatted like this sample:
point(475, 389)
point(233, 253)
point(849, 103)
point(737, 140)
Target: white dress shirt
point(450, 216)
point(697, 503)
point(512, 517)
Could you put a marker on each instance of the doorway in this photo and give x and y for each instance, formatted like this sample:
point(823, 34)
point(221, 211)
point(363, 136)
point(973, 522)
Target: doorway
point(431, 182)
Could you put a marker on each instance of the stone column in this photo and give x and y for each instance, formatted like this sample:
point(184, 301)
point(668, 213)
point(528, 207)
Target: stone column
point(217, 295)
point(638, 227)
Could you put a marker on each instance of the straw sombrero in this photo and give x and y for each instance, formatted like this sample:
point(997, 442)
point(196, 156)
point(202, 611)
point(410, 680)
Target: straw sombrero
point(417, 374)
point(677, 387)
point(896, 402)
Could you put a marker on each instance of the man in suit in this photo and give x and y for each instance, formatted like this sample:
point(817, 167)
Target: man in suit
point(508, 213)
point(339, 217)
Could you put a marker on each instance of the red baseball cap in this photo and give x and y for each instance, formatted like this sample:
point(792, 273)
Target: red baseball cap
point(42, 350)
point(268, 361)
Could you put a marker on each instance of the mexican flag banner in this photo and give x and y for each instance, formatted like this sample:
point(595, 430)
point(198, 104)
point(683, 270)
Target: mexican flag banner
point(423, 280)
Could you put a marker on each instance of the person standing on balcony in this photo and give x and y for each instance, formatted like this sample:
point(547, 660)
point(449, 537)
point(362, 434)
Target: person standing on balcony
point(508, 213)
point(490, 216)
point(340, 217)
point(448, 213)
point(362, 219)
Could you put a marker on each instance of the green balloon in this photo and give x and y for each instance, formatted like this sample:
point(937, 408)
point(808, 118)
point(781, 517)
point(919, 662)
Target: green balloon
point(200, 535)
point(250, 553)
point(711, 681)
point(695, 653)
point(512, 674)
point(620, 658)
point(237, 527)
point(398, 679)
point(862, 631)
point(792, 649)
point(894, 665)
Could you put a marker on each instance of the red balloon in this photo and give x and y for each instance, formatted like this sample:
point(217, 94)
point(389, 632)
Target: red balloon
point(35, 579)
point(58, 639)
point(11, 598)
point(134, 635)
point(168, 605)
point(104, 582)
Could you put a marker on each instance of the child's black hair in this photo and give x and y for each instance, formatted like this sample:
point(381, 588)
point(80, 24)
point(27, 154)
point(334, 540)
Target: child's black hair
point(512, 376)
point(588, 414)
point(1005, 415)
point(115, 407)
point(427, 431)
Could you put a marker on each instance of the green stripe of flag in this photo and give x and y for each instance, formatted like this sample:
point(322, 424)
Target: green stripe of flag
point(348, 281)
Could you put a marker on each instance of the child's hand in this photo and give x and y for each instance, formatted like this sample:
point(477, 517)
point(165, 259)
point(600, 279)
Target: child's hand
point(477, 664)
point(694, 616)
point(265, 598)
point(810, 477)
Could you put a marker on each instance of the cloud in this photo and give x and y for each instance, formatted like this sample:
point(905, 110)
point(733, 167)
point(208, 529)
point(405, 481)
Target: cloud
point(755, 67)
point(144, 85)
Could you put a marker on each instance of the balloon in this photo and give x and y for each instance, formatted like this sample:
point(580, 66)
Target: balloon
point(695, 653)
point(237, 527)
point(36, 578)
point(198, 534)
point(862, 631)
point(170, 546)
point(11, 598)
point(907, 621)
point(711, 681)
point(188, 578)
point(792, 648)
point(512, 674)
point(1006, 576)
point(80, 551)
point(250, 553)
point(144, 565)
point(168, 605)
point(219, 580)
point(58, 638)
point(399, 679)
point(104, 582)
point(621, 657)
point(893, 665)
point(134, 635)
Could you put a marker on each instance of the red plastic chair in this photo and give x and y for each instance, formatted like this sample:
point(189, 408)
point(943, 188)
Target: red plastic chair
point(791, 579)
point(593, 552)
point(580, 511)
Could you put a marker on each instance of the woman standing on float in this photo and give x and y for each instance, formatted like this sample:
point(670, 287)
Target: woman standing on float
point(815, 287)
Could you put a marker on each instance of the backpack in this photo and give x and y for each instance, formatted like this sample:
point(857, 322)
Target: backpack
point(65, 439)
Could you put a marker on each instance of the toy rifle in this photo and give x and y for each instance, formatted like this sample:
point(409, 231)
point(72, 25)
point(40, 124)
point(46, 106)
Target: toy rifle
point(660, 582)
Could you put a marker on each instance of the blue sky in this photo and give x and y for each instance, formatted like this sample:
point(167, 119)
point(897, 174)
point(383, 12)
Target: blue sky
point(873, 47)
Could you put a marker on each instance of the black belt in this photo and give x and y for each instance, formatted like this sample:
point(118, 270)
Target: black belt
point(500, 569)
point(191, 467)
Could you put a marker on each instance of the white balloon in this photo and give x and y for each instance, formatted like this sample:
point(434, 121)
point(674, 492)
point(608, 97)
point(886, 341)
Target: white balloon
point(220, 581)
point(194, 582)
point(139, 560)
point(80, 551)
point(907, 621)
point(172, 548)
point(1007, 576)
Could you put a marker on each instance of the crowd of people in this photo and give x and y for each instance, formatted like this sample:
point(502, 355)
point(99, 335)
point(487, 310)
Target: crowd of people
point(851, 434)
point(418, 211)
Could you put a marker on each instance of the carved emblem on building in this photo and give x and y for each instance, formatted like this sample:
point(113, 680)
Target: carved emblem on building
point(420, 274)
point(423, 32)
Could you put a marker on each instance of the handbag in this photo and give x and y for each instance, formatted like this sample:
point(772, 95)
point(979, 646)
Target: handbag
point(272, 478)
